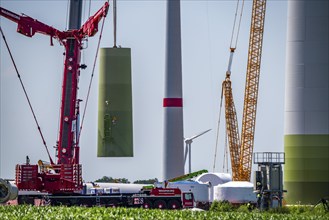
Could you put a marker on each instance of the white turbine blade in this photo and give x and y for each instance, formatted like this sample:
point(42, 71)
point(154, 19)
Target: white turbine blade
point(198, 135)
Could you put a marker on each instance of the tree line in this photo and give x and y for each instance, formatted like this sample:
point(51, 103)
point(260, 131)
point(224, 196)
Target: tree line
point(107, 179)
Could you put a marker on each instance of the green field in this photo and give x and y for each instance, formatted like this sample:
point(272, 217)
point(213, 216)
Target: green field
point(50, 212)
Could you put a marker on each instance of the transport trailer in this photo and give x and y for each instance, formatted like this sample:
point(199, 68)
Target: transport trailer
point(158, 198)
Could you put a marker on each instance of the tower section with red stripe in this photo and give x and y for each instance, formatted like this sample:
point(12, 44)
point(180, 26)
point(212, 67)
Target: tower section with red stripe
point(173, 102)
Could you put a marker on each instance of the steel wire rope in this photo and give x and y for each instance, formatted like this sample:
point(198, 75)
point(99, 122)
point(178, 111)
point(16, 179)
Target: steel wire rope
point(91, 80)
point(211, 75)
point(233, 35)
point(115, 23)
point(225, 161)
point(236, 40)
point(84, 18)
point(67, 14)
point(89, 8)
point(26, 95)
point(218, 126)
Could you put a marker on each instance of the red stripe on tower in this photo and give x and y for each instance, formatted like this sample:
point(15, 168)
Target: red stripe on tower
point(172, 102)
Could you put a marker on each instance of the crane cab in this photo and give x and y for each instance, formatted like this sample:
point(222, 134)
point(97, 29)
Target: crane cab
point(187, 200)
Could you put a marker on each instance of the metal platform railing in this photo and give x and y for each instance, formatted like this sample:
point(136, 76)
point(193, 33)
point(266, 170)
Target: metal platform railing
point(269, 158)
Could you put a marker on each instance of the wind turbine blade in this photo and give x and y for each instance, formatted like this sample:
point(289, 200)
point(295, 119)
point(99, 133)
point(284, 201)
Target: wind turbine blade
point(198, 135)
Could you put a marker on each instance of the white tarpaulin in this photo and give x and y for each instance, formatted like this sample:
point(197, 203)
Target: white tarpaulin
point(214, 179)
point(235, 192)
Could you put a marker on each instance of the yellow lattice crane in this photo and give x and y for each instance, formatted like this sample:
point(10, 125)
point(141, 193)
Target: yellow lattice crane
point(241, 149)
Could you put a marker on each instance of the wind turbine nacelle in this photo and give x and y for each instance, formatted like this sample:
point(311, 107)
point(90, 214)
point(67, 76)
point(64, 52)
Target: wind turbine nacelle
point(8, 191)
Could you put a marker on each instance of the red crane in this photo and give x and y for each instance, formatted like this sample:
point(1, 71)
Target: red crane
point(66, 174)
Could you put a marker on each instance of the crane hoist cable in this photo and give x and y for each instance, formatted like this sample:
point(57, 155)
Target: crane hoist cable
point(91, 79)
point(26, 95)
point(236, 30)
point(86, 39)
point(89, 8)
point(67, 14)
point(218, 126)
point(115, 23)
point(225, 160)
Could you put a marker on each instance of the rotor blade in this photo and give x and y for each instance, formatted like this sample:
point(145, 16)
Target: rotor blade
point(198, 135)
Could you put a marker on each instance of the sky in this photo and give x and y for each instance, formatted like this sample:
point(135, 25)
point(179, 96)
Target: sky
point(206, 33)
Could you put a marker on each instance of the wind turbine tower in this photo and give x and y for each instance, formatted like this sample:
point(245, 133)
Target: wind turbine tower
point(173, 102)
point(306, 171)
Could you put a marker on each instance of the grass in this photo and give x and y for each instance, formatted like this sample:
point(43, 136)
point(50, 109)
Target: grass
point(222, 212)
